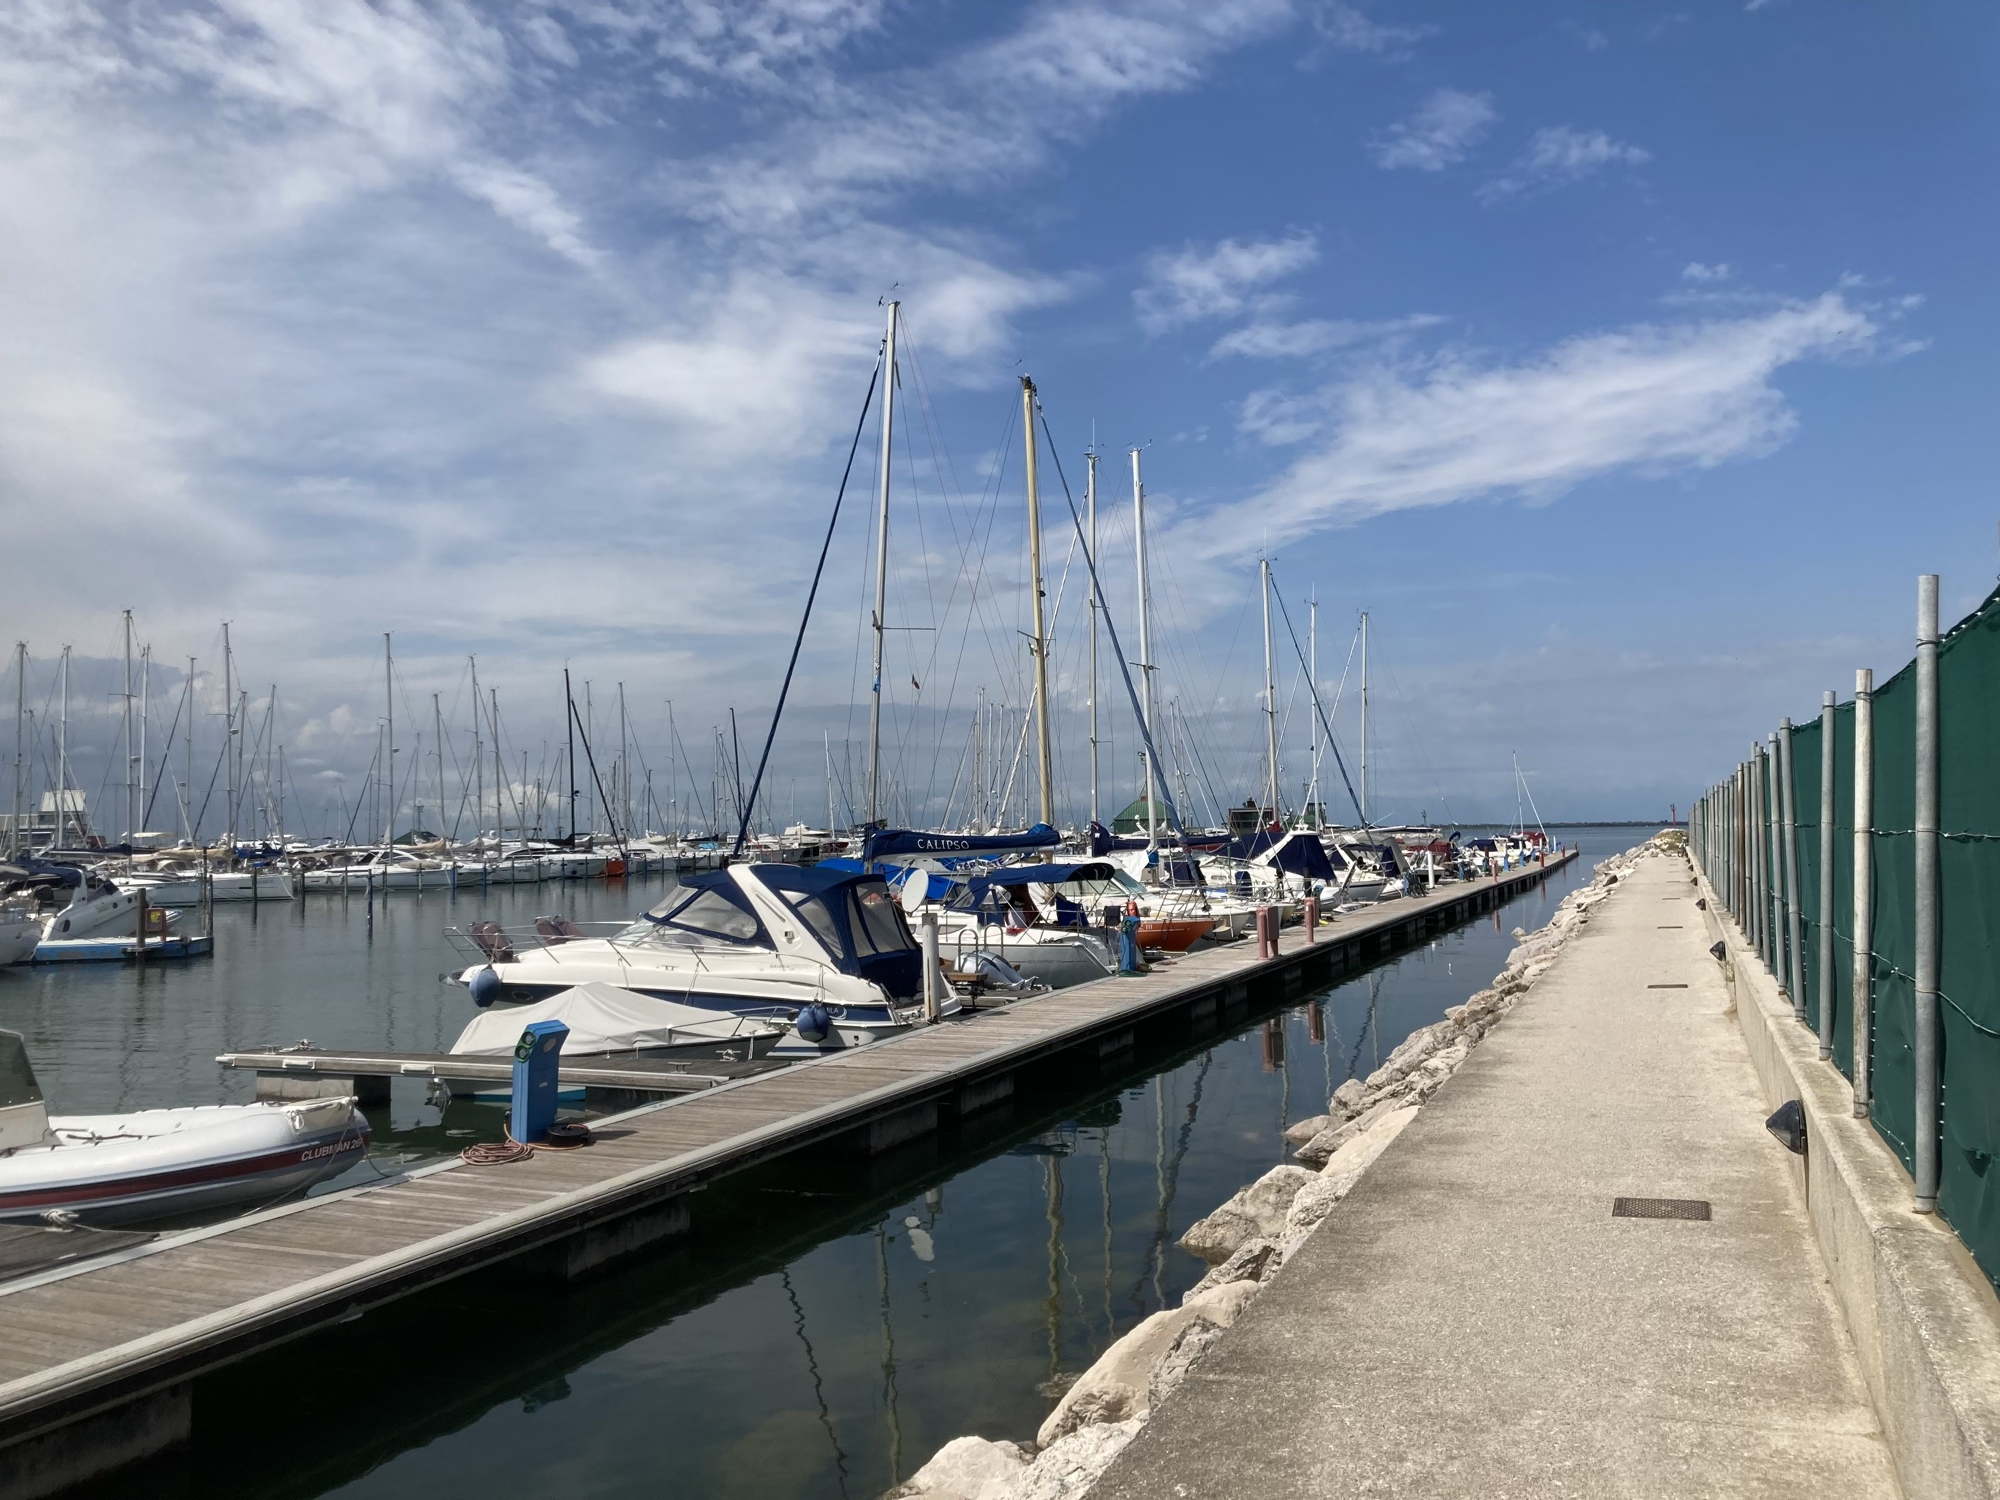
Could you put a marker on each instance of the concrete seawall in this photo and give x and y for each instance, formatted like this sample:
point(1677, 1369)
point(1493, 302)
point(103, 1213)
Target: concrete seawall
point(1581, 1268)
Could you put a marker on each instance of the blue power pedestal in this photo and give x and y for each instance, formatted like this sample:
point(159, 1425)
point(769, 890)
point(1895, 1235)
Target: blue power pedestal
point(537, 1056)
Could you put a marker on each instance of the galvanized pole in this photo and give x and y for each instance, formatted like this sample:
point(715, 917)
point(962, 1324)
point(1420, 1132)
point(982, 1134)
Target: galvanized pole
point(1925, 1039)
point(881, 564)
point(1774, 833)
point(1794, 945)
point(1823, 971)
point(1863, 1000)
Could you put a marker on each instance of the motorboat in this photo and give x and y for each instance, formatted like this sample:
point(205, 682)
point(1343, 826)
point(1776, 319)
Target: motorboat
point(179, 883)
point(98, 906)
point(386, 870)
point(150, 1164)
point(822, 950)
point(609, 1023)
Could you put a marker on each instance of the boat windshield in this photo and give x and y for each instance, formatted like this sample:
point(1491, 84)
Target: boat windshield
point(877, 921)
point(813, 911)
point(17, 1077)
point(708, 913)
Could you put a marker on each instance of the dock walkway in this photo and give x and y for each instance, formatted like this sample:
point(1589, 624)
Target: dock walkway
point(97, 1359)
point(1473, 1320)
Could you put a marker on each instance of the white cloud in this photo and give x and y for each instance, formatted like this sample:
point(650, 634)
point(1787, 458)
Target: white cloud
point(1648, 399)
point(1442, 132)
point(1191, 284)
point(1694, 270)
point(1558, 155)
point(1267, 340)
point(1348, 28)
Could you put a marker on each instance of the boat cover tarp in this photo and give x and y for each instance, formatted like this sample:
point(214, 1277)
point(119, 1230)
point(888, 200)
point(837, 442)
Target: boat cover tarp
point(885, 842)
point(601, 1018)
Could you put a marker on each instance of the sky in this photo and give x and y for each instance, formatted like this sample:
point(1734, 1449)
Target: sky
point(1621, 361)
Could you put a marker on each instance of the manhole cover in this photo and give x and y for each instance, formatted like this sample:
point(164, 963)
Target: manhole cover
point(1660, 1208)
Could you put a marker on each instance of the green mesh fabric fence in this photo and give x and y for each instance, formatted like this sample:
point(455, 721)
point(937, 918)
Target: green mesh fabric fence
point(1969, 927)
point(1968, 914)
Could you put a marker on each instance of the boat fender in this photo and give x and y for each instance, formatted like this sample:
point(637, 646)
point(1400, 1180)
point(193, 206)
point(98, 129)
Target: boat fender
point(485, 987)
point(813, 1023)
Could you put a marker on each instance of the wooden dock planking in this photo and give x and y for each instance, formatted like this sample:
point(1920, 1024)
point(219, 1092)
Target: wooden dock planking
point(166, 1311)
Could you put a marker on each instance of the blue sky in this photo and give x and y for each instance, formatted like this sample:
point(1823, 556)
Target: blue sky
point(1625, 362)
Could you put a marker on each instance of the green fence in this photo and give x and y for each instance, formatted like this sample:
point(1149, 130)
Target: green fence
point(1967, 905)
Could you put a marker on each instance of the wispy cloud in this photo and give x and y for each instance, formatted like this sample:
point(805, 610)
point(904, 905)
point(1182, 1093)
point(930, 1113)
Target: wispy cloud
point(1695, 271)
point(1648, 399)
point(1440, 134)
point(1557, 156)
point(1191, 284)
point(1270, 340)
point(1349, 28)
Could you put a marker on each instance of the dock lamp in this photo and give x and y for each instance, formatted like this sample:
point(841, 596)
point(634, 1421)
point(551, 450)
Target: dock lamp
point(537, 1059)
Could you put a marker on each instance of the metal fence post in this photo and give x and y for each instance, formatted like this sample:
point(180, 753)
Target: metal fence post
point(1863, 1006)
point(1775, 843)
point(1925, 1033)
point(1824, 976)
point(1795, 952)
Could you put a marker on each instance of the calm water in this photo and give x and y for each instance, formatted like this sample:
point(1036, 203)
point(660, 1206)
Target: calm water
point(828, 1324)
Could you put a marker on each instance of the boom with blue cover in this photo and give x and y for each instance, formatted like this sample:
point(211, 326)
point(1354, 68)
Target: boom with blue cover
point(884, 842)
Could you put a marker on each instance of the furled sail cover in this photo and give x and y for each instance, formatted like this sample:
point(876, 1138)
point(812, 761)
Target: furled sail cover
point(885, 842)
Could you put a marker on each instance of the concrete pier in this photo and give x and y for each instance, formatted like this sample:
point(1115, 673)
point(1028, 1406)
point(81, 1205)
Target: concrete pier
point(1475, 1320)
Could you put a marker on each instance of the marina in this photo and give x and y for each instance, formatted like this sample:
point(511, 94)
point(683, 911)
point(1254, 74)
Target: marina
point(314, 1264)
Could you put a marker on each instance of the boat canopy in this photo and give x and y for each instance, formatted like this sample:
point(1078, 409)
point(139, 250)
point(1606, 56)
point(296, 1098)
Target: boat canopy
point(979, 888)
point(890, 841)
point(936, 887)
point(600, 1017)
point(41, 872)
point(1296, 853)
point(854, 916)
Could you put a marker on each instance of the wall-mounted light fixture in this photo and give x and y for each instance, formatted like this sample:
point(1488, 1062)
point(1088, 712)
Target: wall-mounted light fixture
point(1788, 1124)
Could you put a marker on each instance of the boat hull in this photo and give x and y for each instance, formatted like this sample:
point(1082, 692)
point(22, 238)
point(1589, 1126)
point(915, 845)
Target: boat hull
point(241, 1154)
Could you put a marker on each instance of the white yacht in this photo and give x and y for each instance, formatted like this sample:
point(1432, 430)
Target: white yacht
point(826, 951)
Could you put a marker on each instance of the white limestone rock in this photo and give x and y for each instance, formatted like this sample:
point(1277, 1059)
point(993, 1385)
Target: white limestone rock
point(1254, 1260)
point(1066, 1469)
point(1338, 1177)
point(966, 1468)
point(1299, 1133)
point(1119, 1385)
point(1346, 1101)
point(1255, 1211)
point(1189, 1345)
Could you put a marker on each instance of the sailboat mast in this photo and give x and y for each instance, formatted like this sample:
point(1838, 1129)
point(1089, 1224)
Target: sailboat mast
point(145, 708)
point(882, 562)
point(229, 734)
point(437, 734)
point(569, 722)
point(624, 762)
point(1150, 771)
point(1270, 691)
point(1044, 764)
point(1365, 814)
point(1090, 500)
point(187, 786)
point(499, 776)
point(389, 760)
point(478, 755)
point(129, 742)
point(1312, 670)
point(19, 839)
point(62, 754)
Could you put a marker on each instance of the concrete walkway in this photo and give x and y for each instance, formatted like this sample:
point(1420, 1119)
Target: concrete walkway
point(1473, 1321)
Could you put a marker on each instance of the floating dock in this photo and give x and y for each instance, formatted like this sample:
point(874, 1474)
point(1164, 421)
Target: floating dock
point(99, 1358)
point(112, 950)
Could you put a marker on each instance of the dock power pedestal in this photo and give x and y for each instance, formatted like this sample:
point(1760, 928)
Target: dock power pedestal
point(537, 1058)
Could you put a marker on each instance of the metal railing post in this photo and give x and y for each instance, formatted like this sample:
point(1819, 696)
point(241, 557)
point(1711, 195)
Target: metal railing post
point(1863, 999)
point(1824, 976)
point(1924, 1145)
point(1795, 952)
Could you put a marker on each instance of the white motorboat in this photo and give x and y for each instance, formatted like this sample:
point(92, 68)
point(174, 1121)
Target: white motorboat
point(98, 907)
point(387, 870)
point(824, 951)
point(610, 1023)
point(161, 1163)
point(179, 883)
point(20, 934)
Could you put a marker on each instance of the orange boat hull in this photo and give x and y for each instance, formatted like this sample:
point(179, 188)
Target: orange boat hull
point(1172, 934)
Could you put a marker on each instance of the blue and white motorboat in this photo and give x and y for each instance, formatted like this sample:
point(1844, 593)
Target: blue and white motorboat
point(827, 952)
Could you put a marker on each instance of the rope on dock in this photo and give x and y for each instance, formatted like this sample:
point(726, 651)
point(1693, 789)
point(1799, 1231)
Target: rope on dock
point(564, 1135)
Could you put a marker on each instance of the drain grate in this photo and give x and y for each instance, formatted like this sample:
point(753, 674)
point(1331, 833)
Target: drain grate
point(1660, 1208)
point(1666, 986)
point(1670, 927)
